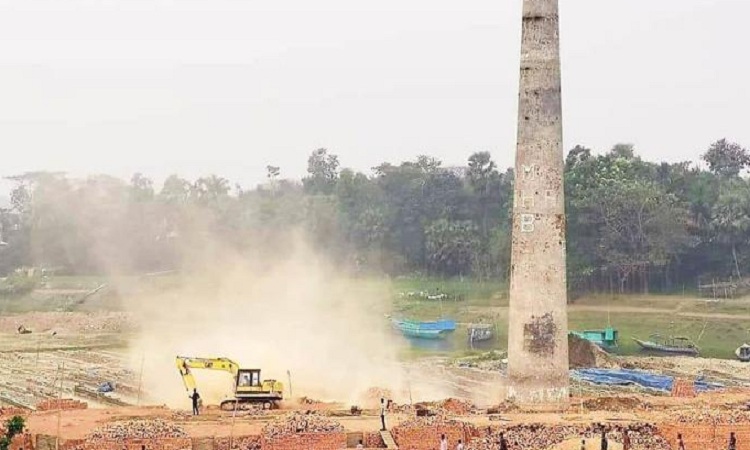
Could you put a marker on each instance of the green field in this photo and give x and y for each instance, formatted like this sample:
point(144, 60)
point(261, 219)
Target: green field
point(718, 328)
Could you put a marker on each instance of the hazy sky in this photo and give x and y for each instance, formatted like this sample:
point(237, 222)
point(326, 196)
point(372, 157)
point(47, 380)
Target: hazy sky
point(227, 87)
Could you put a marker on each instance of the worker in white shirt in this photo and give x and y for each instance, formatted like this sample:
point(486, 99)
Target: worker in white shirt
point(460, 445)
point(382, 413)
point(443, 443)
point(360, 446)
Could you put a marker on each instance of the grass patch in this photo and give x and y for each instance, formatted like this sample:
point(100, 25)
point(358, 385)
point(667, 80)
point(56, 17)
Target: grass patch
point(719, 337)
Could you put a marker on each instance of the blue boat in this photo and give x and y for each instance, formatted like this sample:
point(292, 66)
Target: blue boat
point(437, 329)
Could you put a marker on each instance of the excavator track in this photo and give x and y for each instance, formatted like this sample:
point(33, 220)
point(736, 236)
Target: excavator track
point(248, 405)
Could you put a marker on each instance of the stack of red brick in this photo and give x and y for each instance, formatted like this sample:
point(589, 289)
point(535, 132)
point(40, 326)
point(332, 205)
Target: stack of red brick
point(683, 388)
point(21, 442)
point(373, 440)
point(707, 436)
point(240, 442)
point(427, 437)
point(64, 404)
point(11, 411)
point(138, 444)
point(297, 441)
point(48, 443)
point(456, 406)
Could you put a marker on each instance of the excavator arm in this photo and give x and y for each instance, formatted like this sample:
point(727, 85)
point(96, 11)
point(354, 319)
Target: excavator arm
point(186, 363)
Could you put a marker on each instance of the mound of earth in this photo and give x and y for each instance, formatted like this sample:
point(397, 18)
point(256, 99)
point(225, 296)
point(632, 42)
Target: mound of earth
point(613, 404)
point(583, 354)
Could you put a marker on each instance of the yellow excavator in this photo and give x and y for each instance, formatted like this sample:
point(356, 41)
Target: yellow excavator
point(249, 390)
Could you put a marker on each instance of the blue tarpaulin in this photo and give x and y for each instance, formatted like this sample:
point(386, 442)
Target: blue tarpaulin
point(624, 377)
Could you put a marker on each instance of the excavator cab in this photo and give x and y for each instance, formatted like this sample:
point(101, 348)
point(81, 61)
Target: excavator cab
point(248, 378)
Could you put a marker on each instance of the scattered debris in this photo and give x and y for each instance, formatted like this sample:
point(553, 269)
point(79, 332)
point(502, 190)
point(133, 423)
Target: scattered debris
point(712, 416)
point(541, 436)
point(300, 422)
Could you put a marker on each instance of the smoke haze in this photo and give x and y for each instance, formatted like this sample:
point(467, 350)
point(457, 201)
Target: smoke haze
point(296, 313)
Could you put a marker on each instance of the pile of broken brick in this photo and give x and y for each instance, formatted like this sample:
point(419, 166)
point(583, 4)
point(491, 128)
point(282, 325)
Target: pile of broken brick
point(301, 422)
point(137, 429)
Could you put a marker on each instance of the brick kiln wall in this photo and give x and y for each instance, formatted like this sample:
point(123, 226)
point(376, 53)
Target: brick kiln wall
point(22, 442)
point(10, 411)
point(44, 442)
point(707, 436)
point(65, 404)
point(139, 444)
point(306, 441)
point(238, 442)
point(369, 439)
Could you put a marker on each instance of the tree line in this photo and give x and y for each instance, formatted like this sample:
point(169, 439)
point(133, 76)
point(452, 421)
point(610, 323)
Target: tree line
point(633, 225)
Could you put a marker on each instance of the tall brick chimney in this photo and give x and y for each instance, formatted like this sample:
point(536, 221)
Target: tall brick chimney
point(538, 329)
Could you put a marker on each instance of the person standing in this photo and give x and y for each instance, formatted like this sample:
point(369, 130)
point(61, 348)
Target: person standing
point(195, 397)
point(605, 444)
point(460, 445)
point(680, 442)
point(360, 445)
point(503, 442)
point(732, 441)
point(583, 444)
point(626, 440)
point(443, 443)
point(382, 414)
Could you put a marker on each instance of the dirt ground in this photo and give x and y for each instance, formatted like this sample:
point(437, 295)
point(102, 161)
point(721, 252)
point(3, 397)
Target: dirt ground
point(70, 353)
point(77, 424)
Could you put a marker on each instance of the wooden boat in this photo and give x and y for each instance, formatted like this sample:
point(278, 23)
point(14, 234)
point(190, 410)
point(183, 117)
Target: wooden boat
point(743, 353)
point(607, 339)
point(479, 332)
point(437, 329)
point(671, 345)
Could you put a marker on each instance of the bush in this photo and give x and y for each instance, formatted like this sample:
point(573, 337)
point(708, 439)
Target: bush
point(13, 427)
point(20, 283)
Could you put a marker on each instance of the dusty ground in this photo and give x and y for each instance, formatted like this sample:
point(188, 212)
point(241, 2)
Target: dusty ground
point(77, 424)
point(86, 349)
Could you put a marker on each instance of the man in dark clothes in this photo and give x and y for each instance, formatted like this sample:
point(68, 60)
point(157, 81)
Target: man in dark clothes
point(732, 441)
point(680, 442)
point(195, 397)
point(626, 440)
point(503, 442)
point(605, 444)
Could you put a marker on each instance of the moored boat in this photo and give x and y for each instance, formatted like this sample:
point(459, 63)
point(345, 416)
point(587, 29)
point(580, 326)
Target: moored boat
point(436, 329)
point(743, 353)
point(671, 345)
point(607, 339)
point(480, 332)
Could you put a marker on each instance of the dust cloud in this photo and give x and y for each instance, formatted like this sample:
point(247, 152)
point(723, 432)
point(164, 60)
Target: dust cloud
point(295, 313)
